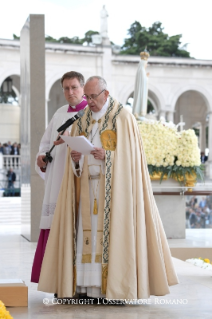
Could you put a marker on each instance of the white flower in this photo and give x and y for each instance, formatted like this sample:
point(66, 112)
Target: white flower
point(199, 263)
point(162, 143)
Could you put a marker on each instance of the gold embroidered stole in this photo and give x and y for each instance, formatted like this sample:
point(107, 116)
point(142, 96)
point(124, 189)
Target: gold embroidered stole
point(86, 217)
point(99, 236)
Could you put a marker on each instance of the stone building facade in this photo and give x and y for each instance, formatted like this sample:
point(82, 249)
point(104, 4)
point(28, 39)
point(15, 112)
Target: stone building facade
point(178, 87)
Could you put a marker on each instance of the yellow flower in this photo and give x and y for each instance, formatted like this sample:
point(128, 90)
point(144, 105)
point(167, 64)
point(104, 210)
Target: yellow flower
point(206, 260)
point(4, 314)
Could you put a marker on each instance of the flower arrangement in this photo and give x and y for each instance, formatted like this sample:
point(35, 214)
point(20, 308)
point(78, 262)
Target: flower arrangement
point(4, 314)
point(200, 262)
point(169, 152)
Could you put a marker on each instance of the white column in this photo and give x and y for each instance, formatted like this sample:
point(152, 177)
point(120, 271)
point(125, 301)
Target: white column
point(209, 172)
point(162, 113)
point(32, 121)
point(46, 113)
point(203, 137)
point(210, 135)
point(170, 116)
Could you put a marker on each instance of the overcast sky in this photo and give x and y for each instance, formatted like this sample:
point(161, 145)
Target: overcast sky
point(191, 18)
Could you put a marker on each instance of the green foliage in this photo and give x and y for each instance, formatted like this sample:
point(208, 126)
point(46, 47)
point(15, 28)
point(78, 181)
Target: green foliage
point(50, 39)
point(88, 36)
point(150, 107)
point(157, 42)
point(206, 136)
point(15, 37)
point(196, 131)
point(75, 40)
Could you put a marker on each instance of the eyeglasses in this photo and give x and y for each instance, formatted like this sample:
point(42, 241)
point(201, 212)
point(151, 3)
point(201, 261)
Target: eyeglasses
point(93, 96)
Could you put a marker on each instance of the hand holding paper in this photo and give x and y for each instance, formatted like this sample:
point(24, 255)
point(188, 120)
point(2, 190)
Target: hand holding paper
point(79, 143)
point(98, 153)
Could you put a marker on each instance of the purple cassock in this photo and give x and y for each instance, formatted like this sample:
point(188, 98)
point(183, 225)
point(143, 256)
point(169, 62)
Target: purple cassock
point(44, 233)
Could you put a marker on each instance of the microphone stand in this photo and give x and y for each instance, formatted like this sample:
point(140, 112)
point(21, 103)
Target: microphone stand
point(48, 157)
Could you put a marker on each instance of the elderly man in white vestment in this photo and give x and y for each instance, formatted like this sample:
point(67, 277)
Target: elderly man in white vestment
point(113, 244)
point(72, 84)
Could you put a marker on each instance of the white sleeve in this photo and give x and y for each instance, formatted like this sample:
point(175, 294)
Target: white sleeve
point(44, 146)
point(45, 140)
point(78, 172)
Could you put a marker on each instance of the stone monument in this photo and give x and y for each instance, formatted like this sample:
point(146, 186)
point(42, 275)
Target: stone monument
point(32, 124)
point(141, 87)
point(104, 26)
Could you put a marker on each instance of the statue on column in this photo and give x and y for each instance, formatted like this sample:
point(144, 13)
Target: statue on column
point(104, 24)
point(141, 87)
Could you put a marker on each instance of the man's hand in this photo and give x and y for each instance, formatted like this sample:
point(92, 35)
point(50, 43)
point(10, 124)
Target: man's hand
point(98, 153)
point(40, 161)
point(60, 141)
point(76, 156)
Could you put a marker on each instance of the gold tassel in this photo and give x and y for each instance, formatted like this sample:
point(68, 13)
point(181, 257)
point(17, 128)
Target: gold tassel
point(95, 209)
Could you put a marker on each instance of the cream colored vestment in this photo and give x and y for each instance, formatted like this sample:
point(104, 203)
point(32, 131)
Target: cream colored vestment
point(136, 260)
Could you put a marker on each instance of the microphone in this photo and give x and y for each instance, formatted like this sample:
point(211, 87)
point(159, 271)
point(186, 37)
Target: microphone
point(48, 157)
point(71, 121)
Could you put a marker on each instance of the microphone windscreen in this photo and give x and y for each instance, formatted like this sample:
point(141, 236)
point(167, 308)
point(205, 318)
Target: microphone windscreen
point(81, 113)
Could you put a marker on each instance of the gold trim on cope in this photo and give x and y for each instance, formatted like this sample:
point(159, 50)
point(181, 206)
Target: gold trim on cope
point(109, 140)
point(104, 278)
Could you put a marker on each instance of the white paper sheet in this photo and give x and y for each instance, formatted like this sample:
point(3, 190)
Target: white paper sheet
point(78, 143)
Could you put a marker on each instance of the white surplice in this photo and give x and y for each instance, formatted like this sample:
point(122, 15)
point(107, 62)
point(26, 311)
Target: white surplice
point(54, 172)
point(89, 274)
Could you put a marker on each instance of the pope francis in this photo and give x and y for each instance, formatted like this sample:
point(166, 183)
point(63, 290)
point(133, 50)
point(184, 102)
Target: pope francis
point(107, 238)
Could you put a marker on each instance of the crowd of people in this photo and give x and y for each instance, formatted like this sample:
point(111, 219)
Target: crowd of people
point(199, 212)
point(10, 149)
